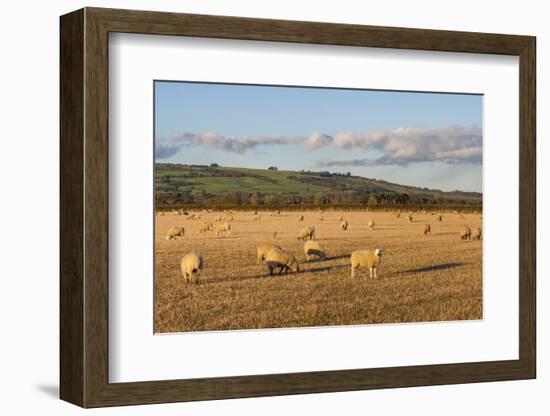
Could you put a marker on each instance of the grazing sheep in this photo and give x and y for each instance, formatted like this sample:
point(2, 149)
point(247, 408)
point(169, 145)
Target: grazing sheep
point(190, 217)
point(263, 249)
point(398, 215)
point(278, 212)
point(175, 232)
point(476, 234)
point(307, 233)
point(278, 258)
point(191, 267)
point(465, 233)
point(205, 227)
point(301, 218)
point(223, 228)
point(314, 250)
point(410, 218)
point(340, 219)
point(366, 258)
point(218, 219)
point(427, 229)
point(344, 225)
point(371, 224)
point(228, 218)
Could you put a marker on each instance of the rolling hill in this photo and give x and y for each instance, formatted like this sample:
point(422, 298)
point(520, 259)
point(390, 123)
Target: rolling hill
point(196, 184)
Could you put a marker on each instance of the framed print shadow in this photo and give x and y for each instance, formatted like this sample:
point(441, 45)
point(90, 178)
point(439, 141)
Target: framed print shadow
point(255, 207)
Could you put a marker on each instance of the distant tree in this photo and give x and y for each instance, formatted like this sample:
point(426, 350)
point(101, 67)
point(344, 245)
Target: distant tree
point(273, 168)
point(373, 200)
point(214, 165)
point(348, 174)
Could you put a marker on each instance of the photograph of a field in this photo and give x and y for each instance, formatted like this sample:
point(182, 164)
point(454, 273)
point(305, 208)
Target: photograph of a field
point(433, 277)
point(288, 207)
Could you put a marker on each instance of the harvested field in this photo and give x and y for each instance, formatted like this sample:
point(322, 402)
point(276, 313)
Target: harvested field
point(434, 277)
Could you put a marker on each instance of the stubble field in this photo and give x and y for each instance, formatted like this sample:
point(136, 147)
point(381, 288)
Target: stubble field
point(437, 277)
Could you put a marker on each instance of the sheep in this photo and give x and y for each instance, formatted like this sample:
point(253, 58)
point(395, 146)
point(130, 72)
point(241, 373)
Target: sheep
point(190, 217)
point(476, 234)
point(340, 219)
point(175, 232)
point(398, 215)
point(191, 267)
point(307, 233)
point(223, 228)
point(301, 218)
point(218, 219)
point(263, 249)
point(410, 218)
point(314, 249)
point(427, 229)
point(465, 233)
point(439, 217)
point(278, 258)
point(257, 217)
point(366, 258)
point(228, 218)
point(371, 224)
point(344, 225)
point(205, 227)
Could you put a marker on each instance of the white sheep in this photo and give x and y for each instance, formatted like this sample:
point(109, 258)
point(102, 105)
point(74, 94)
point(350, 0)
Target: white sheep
point(366, 258)
point(223, 228)
point(263, 249)
point(307, 233)
point(314, 249)
point(427, 229)
point(175, 232)
point(191, 267)
point(465, 233)
point(205, 227)
point(371, 224)
point(476, 234)
point(278, 258)
point(301, 218)
point(340, 218)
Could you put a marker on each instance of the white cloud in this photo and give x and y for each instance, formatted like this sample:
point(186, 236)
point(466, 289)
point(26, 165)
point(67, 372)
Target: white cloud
point(318, 140)
point(401, 146)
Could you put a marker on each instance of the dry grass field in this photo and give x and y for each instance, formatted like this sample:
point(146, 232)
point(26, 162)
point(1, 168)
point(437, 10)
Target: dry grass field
point(437, 277)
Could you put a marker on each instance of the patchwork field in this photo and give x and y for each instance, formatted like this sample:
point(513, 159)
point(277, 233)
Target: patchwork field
point(437, 277)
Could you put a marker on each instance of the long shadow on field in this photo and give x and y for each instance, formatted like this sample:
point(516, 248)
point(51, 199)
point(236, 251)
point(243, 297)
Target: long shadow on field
point(275, 275)
point(434, 268)
point(343, 256)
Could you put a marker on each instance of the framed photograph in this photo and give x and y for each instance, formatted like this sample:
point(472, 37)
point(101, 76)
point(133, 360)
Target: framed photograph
point(254, 207)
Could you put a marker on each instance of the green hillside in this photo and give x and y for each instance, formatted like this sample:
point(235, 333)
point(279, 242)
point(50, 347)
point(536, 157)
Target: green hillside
point(193, 184)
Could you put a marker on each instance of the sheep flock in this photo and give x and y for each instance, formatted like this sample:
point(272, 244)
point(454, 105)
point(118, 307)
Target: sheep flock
point(283, 257)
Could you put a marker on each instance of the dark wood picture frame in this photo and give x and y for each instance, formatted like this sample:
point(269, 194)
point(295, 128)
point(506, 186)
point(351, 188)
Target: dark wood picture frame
point(84, 207)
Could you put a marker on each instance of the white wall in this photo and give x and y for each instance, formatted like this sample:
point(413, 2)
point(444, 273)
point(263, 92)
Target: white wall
point(29, 178)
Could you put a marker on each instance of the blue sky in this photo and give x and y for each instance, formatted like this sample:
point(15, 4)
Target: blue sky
point(422, 139)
